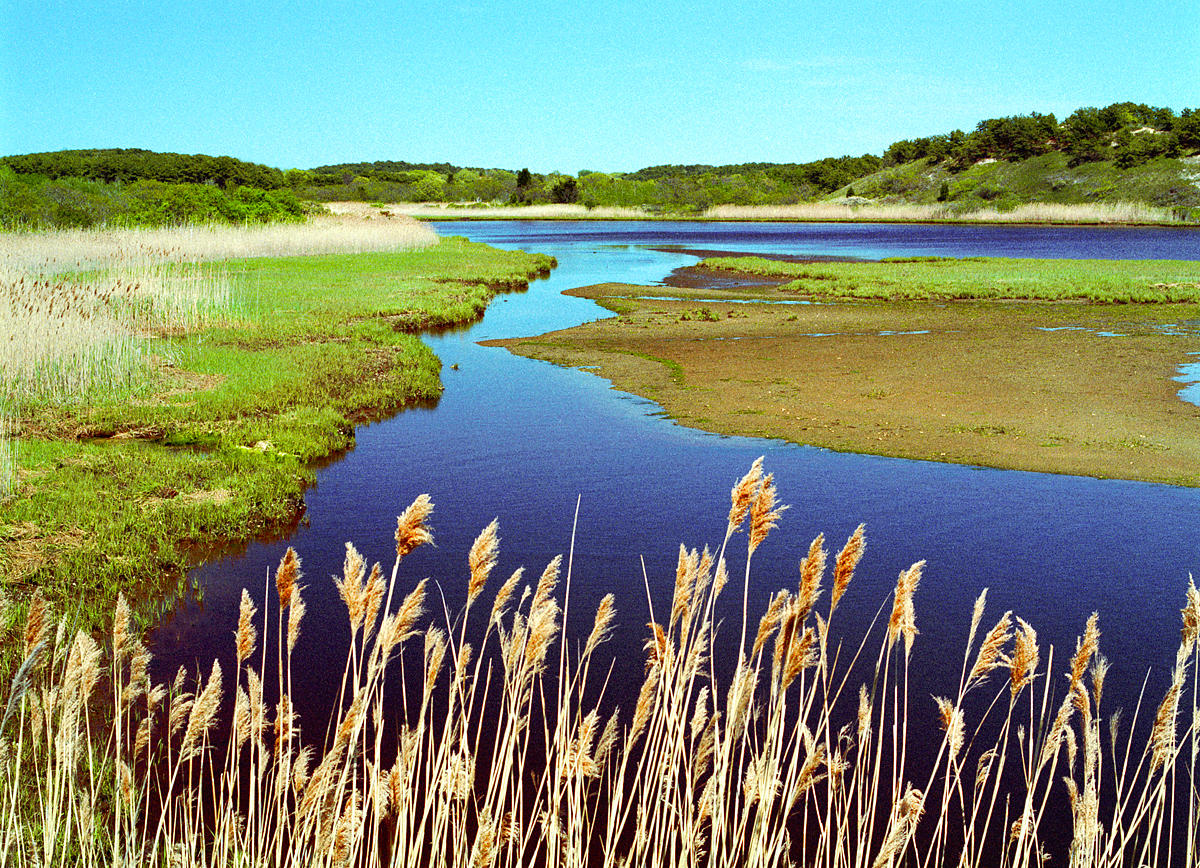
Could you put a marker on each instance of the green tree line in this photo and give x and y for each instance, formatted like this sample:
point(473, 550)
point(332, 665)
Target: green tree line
point(30, 201)
point(1127, 133)
point(124, 165)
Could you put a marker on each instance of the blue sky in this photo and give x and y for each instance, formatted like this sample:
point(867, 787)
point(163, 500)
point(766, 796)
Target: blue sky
point(557, 86)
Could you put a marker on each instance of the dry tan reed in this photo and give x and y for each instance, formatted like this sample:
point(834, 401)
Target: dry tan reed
point(451, 211)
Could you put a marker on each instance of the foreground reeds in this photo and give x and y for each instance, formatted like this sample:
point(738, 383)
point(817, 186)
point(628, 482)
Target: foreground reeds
point(496, 741)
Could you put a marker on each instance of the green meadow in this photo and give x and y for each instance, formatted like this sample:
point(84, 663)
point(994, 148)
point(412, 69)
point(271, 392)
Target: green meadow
point(210, 435)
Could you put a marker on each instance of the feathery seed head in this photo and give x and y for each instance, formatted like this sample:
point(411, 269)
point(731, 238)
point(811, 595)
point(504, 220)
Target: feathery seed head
point(435, 654)
point(247, 634)
point(546, 584)
point(991, 651)
point(685, 578)
point(743, 494)
point(295, 616)
point(1025, 657)
point(1191, 616)
point(350, 586)
point(951, 719)
point(505, 594)
point(482, 559)
point(121, 629)
point(287, 574)
point(846, 563)
point(903, 620)
point(658, 647)
point(770, 620)
point(36, 621)
point(721, 578)
point(764, 514)
point(203, 713)
point(412, 529)
point(602, 626)
point(373, 592)
point(407, 615)
point(812, 570)
point(801, 655)
point(1162, 735)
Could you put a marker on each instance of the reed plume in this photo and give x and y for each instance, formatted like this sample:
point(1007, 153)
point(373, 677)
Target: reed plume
point(991, 651)
point(764, 514)
point(247, 634)
point(1024, 662)
point(202, 715)
point(846, 564)
point(482, 559)
point(412, 528)
point(743, 495)
point(287, 576)
point(903, 620)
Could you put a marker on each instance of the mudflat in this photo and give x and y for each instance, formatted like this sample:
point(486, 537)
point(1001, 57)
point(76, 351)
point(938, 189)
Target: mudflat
point(1062, 387)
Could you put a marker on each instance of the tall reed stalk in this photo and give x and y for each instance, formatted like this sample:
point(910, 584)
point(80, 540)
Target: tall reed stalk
point(8, 450)
point(495, 741)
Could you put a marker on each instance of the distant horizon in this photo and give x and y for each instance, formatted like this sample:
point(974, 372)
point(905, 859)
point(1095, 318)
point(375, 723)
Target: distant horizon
point(610, 86)
point(514, 167)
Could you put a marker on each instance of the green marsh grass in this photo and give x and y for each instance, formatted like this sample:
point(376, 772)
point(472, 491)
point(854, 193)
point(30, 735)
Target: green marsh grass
point(507, 751)
point(937, 278)
point(168, 404)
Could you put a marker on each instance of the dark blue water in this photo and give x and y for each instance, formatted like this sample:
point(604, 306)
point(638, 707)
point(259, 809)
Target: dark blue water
point(526, 442)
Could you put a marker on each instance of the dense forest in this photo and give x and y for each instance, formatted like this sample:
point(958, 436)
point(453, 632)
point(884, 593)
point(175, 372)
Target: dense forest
point(1122, 151)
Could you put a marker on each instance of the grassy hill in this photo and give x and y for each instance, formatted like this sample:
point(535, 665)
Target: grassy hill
point(1164, 182)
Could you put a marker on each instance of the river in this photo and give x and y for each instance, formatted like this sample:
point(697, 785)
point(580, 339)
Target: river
point(528, 443)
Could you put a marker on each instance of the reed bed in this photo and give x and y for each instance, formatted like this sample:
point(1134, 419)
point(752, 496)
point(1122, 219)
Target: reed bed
point(1037, 212)
point(500, 746)
point(78, 307)
point(77, 250)
point(564, 211)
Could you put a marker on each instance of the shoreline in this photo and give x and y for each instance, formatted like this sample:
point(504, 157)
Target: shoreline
point(1029, 385)
point(217, 450)
point(810, 213)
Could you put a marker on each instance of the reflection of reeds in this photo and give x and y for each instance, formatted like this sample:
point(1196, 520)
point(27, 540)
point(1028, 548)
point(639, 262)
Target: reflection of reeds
point(501, 750)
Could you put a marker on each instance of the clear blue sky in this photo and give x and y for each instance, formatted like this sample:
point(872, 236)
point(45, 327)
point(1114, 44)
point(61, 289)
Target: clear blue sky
point(563, 86)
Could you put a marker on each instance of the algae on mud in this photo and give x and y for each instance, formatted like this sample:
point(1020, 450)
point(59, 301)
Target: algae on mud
point(1054, 386)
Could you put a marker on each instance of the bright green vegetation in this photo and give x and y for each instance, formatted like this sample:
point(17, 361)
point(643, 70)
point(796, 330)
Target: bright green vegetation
point(510, 748)
point(979, 278)
point(215, 443)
